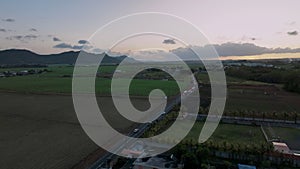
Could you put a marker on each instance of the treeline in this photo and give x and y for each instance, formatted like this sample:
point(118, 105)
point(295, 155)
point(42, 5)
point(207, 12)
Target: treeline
point(195, 155)
point(293, 82)
point(290, 78)
point(23, 65)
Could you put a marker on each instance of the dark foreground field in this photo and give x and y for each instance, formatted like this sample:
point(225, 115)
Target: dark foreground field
point(42, 131)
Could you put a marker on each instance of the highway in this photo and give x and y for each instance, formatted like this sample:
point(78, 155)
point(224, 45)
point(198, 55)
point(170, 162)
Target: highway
point(142, 128)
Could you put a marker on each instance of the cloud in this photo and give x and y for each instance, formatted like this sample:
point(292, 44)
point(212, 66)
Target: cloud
point(55, 39)
point(246, 49)
point(22, 38)
point(293, 33)
point(230, 49)
point(2, 30)
point(169, 41)
point(16, 37)
point(33, 30)
point(8, 20)
point(82, 42)
point(151, 55)
point(77, 47)
point(240, 49)
point(63, 45)
point(30, 37)
point(68, 46)
point(98, 51)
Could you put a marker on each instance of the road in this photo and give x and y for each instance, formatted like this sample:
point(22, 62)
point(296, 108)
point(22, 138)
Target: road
point(144, 127)
point(141, 130)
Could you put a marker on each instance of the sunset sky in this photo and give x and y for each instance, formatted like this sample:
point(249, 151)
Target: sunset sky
point(55, 26)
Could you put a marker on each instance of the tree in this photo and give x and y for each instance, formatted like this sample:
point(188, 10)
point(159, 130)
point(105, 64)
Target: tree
point(190, 160)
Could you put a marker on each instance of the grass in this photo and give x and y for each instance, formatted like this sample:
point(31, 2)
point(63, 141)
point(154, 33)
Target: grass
point(255, 96)
point(231, 133)
point(204, 78)
point(35, 84)
point(53, 82)
point(261, 99)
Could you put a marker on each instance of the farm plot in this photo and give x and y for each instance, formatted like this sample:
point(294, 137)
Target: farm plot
point(42, 131)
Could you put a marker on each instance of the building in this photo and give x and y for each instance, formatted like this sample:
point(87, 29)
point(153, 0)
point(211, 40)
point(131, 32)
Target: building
point(158, 162)
point(243, 166)
point(281, 148)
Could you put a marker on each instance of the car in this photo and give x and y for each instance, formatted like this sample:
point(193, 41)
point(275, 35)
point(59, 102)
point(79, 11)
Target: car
point(135, 130)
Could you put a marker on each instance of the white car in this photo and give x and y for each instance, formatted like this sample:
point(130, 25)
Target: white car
point(135, 130)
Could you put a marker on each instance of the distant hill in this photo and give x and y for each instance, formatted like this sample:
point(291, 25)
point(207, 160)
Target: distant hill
point(20, 56)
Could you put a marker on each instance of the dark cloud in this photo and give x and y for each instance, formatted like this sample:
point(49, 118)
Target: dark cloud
point(22, 38)
point(67, 46)
point(237, 49)
point(8, 20)
point(33, 30)
point(55, 39)
point(2, 30)
point(77, 47)
point(30, 37)
point(82, 42)
point(16, 37)
point(169, 41)
point(63, 45)
point(230, 49)
point(97, 50)
point(293, 33)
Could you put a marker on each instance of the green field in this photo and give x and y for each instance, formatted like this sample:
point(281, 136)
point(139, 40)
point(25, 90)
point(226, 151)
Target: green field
point(267, 99)
point(231, 133)
point(204, 78)
point(246, 96)
point(54, 82)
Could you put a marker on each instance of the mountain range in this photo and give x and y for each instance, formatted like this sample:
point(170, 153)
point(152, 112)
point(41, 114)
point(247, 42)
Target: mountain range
point(22, 56)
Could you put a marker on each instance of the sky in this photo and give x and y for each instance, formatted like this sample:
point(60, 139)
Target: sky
point(54, 26)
